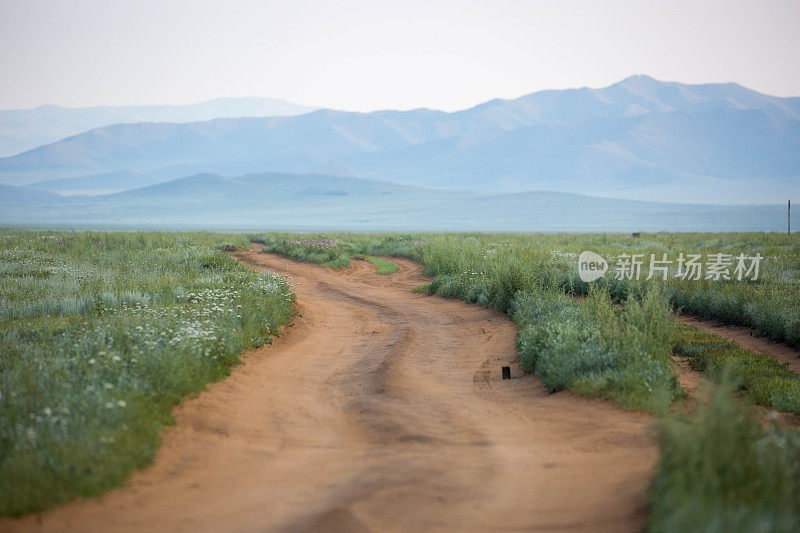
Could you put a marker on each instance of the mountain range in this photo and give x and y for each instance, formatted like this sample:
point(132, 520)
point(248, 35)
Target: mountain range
point(25, 129)
point(640, 139)
point(300, 202)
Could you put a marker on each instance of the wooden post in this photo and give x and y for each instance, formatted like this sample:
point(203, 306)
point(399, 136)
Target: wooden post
point(506, 372)
point(789, 218)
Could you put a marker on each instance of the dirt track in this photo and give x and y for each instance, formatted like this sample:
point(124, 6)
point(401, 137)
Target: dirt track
point(381, 410)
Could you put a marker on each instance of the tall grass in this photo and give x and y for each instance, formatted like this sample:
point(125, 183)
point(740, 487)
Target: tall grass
point(100, 335)
point(598, 349)
point(316, 248)
point(721, 471)
point(592, 347)
point(769, 305)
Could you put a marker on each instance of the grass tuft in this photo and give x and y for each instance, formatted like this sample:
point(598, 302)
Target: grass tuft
point(425, 288)
point(383, 266)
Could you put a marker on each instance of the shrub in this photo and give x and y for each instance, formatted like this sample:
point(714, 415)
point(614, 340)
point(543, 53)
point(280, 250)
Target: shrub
point(596, 349)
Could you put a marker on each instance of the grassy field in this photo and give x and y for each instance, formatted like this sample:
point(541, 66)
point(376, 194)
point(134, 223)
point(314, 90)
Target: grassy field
point(100, 335)
point(103, 333)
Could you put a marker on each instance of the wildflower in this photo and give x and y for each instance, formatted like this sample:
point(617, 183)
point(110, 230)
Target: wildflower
point(108, 386)
point(121, 403)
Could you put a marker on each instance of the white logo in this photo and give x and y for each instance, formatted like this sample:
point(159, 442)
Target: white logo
point(591, 266)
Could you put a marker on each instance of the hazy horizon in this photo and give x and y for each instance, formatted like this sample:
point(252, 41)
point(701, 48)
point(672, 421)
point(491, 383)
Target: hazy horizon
point(365, 56)
point(312, 105)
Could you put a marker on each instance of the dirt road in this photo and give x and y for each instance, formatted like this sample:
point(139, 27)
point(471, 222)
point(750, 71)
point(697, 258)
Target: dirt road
point(381, 410)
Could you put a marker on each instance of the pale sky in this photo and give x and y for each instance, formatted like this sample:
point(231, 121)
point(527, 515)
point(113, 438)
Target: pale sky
point(372, 54)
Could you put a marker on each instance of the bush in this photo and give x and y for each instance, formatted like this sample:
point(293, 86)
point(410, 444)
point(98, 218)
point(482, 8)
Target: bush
point(597, 349)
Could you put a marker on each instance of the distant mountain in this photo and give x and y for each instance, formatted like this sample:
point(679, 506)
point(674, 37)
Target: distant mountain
point(262, 189)
point(637, 139)
point(25, 129)
point(9, 194)
point(281, 201)
point(97, 184)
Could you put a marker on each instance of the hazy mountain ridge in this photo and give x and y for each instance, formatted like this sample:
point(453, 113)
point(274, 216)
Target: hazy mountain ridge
point(639, 138)
point(25, 129)
point(11, 194)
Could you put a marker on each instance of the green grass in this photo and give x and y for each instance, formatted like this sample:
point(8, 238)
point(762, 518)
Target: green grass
point(722, 472)
point(309, 248)
point(769, 306)
point(383, 266)
point(100, 335)
point(425, 288)
point(591, 347)
point(765, 379)
point(336, 250)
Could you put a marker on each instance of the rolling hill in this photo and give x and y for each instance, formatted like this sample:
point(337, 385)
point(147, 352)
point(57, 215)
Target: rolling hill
point(11, 195)
point(320, 202)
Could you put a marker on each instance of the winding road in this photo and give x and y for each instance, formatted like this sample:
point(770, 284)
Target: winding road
point(381, 410)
